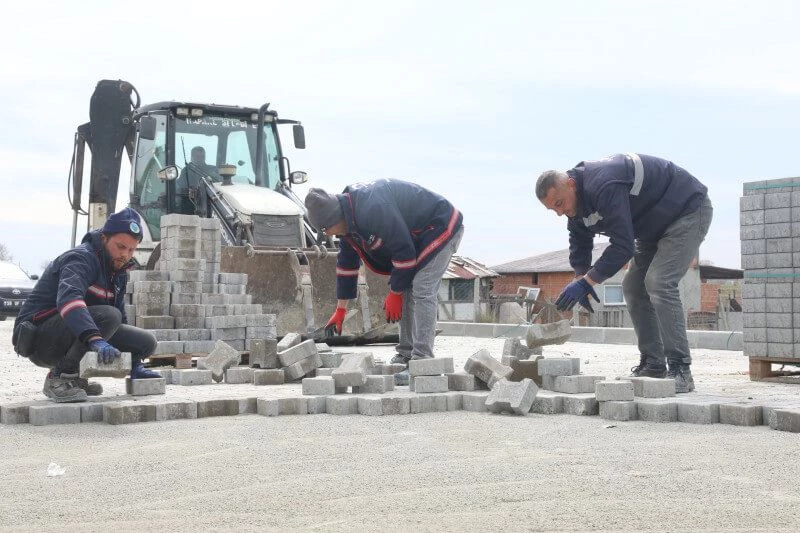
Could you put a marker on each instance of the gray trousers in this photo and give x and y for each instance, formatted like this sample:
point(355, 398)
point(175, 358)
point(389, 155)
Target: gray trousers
point(57, 347)
point(420, 303)
point(651, 289)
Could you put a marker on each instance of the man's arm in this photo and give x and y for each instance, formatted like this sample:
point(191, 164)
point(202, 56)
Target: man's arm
point(347, 265)
point(73, 281)
point(615, 207)
point(581, 244)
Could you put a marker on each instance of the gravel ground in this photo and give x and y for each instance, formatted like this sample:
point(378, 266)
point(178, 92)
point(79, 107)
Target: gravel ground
point(455, 471)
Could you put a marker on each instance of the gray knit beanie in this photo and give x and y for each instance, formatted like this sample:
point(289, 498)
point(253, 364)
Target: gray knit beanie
point(324, 209)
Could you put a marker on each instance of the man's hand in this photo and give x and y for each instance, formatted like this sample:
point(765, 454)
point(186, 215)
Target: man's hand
point(105, 351)
point(393, 304)
point(577, 291)
point(334, 325)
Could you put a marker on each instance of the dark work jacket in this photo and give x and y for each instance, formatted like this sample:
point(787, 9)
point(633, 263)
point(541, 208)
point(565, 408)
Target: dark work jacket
point(74, 280)
point(626, 197)
point(394, 227)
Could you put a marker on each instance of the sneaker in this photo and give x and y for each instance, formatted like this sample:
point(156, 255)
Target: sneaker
point(646, 370)
point(138, 371)
point(684, 382)
point(400, 359)
point(92, 388)
point(402, 378)
point(63, 389)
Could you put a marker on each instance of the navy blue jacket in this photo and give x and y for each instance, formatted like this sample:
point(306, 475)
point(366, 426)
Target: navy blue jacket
point(394, 227)
point(74, 280)
point(627, 197)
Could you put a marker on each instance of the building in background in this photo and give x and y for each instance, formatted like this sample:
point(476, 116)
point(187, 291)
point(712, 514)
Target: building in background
point(465, 292)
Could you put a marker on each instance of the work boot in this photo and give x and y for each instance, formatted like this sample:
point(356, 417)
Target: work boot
point(399, 359)
point(92, 388)
point(418, 357)
point(138, 371)
point(62, 389)
point(683, 379)
point(646, 369)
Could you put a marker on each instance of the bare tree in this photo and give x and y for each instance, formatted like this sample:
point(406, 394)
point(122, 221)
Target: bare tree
point(5, 255)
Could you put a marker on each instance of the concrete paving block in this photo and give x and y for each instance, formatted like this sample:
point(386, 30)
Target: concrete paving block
point(461, 381)
point(166, 334)
point(740, 414)
point(165, 373)
point(268, 377)
point(289, 340)
point(785, 420)
point(317, 405)
point(229, 321)
point(486, 368)
point(45, 415)
point(155, 322)
point(657, 410)
point(297, 352)
point(428, 403)
point(653, 387)
point(576, 384)
point(559, 366)
point(233, 278)
point(145, 387)
point(264, 353)
point(187, 275)
point(169, 347)
point(237, 375)
point(91, 412)
point(618, 410)
point(232, 288)
point(580, 404)
point(512, 396)
point(188, 322)
point(331, 359)
point(222, 357)
point(176, 410)
point(524, 369)
point(254, 309)
point(261, 320)
point(191, 377)
point(323, 372)
point(513, 347)
point(434, 366)
point(547, 403)
point(370, 405)
point(187, 298)
point(155, 287)
point(547, 334)
point(147, 275)
point(189, 310)
point(321, 386)
point(293, 406)
point(261, 332)
point(91, 367)
point(353, 370)
point(323, 347)
point(193, 335)
point(393, 368)
point(698, 411)
point(198, 346)
point(548, 382)
point(128, 412)
point(15, 413)
point(427, 384)
point(268, 407)
point(474, 401)
point(217, 407)
point(341, 405)
point(455, 401)
point(375, 384)
point(614, 391)
point(301, 368)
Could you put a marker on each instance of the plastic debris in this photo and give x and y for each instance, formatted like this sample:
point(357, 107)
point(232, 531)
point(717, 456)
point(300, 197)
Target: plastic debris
point(54, 470)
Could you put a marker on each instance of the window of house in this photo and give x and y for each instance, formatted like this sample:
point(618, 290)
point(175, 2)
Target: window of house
point(535, 278)
point(612, 295)
point(461, 290)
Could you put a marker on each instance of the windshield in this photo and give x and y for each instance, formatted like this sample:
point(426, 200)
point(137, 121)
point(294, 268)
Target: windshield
point(210, 141)
point(10, 271)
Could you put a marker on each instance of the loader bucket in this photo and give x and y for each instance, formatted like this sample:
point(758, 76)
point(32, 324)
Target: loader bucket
point(301, 288)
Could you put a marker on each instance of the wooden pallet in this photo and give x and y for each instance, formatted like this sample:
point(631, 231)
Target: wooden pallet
point(761, 369)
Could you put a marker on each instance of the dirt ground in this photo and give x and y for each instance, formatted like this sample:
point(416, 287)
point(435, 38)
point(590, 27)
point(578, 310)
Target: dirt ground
point(457, 471)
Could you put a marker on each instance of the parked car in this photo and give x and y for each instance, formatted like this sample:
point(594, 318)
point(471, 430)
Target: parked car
point(15, 286)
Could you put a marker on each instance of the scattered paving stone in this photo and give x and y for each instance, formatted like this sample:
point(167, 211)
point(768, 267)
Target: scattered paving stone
point(297, 353)
point(191, 377)
point(576, 384)
point(580, 404)
point(653, 387)
point(547, 403)
point(145, 387)
point(545, 334)
point(486, 368)
point(512, 396)
point(237, 375)
point(559, 366)
point(91, 367)
point(619, 410)
point(263, 353)
point(319, 386)
point(614, 391)
point(268, 377)
point(740, 414)
point(222, 357)
point(353, 370)
point(289, 340)
point(432, 366)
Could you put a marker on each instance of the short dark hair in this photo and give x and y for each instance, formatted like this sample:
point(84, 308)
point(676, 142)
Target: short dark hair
point(547, 180)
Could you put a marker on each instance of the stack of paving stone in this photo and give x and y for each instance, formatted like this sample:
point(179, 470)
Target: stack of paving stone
point(430, 375)
point(189, 304)
point(565, 389)
point(770, 236)
point(523, 361)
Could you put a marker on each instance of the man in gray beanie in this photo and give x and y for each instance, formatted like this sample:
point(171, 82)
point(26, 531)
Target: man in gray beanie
point(398, 229)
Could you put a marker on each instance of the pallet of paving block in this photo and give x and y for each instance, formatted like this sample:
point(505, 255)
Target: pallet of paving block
point(761, 369)
point(176, 360)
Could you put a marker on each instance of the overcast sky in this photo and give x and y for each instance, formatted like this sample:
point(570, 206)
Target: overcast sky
point(471, 99)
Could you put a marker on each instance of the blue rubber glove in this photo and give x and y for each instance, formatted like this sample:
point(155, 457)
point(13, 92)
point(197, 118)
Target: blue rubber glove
point(577, 291)
point(105, 351)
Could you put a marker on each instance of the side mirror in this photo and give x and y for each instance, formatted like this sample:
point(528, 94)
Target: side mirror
point(34, 277)
point(299, 136)
point(169, 173)
point(298, 177)
point(147, 128)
